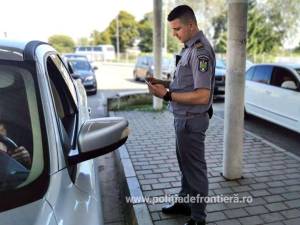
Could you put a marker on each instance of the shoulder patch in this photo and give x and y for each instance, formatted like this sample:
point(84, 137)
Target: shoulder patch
point(203, 63)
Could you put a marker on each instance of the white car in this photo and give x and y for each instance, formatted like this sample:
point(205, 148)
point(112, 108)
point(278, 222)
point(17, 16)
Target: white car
point(47, 140)
point(272, 92)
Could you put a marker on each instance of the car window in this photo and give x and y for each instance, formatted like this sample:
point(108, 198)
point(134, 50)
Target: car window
point(21, 139)
point(281, 75)
point(88, 48)
point(262, 74)
point(81, 48)
point(63, 101)
point(139, 61)
point(249, 73)
point(98, 49)
point(145, 61)
point(111, 49)
point(165, 64)
point(79, 65)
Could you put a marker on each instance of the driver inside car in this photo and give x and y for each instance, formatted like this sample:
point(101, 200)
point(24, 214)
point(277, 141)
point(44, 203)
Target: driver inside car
point(20, 153)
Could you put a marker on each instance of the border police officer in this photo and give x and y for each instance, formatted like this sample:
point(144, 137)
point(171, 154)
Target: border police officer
point(190, 98)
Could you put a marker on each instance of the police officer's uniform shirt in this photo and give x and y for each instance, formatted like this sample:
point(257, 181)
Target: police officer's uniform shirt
point(195, 70)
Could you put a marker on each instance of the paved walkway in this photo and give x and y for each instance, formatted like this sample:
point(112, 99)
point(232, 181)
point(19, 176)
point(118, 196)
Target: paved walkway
point(271, 176)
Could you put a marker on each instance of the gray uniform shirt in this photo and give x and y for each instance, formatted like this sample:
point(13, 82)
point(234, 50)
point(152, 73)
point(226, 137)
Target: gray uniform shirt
point(195, 70)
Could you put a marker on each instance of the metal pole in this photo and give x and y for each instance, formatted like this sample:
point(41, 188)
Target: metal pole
point(157, 42)
point(234, 92)
point(118, 38)
point(165, 49)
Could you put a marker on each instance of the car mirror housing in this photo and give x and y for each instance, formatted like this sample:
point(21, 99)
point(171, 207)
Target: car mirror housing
point(98, 137)
point(289, 85)
point(95, 68)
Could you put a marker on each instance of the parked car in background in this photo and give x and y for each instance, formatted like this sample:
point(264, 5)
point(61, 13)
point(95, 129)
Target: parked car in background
point(45, 111)
point(73, 55)
point(273, 93)
point(144, 67)
point(97, 53)
point(220, 72)
point(82, 69)
point(220, 75)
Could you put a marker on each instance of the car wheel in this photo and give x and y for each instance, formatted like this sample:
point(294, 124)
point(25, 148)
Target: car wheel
point(246, 115)
point(94, 92)
point(135, 77)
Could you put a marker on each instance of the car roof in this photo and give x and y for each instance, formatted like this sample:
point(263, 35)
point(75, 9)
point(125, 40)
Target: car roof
point(286, 65)
point(78, 59)
point(18, 50)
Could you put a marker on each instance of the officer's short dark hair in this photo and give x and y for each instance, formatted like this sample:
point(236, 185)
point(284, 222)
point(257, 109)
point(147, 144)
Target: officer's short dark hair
point(184, 13)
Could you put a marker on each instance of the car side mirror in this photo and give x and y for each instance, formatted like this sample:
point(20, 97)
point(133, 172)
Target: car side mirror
point(289, 85)
point(98, 137)
point(95, 68)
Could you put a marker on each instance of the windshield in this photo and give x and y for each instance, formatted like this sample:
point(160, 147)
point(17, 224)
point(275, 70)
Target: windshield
point(79, 65)
point(166, 64)
point(220, 64)
point(21, 148)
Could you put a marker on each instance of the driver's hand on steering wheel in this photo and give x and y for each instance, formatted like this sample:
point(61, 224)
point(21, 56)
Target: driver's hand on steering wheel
point(22, 155)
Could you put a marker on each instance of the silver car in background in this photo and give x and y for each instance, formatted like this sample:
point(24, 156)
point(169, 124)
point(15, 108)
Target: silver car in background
point(44, 114)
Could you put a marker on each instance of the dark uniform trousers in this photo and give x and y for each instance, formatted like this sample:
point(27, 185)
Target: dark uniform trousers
point(190, 137)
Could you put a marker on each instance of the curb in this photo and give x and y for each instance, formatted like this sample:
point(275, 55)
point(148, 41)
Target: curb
point(267, 142)
point(127, 98)
point(137, 213)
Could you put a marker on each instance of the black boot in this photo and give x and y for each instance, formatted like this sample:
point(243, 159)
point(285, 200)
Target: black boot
point(177, 208)
point(193, 222)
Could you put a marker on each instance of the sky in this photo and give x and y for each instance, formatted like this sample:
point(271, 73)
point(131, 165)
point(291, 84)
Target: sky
point(39, 19)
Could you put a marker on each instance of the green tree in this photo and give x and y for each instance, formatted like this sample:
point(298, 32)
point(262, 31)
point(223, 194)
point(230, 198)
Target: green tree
point(283, 15)
point(128, 30)
point(83, 41)
point(220, 28)
point(98, 38)
point(173, 43)
point(145, 28)
point(62, 43)
point(297, 49)
point(266, 29)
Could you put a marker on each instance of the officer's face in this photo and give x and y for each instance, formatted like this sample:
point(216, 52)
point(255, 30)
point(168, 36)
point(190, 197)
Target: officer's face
point(181, 30)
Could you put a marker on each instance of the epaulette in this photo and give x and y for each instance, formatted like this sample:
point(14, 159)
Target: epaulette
point(198, 44)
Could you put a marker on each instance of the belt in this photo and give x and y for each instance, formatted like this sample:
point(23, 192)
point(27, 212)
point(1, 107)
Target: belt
point(188, 115)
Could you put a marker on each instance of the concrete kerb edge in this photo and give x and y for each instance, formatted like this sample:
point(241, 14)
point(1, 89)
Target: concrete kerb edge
point(267, 142)
point(137, 213)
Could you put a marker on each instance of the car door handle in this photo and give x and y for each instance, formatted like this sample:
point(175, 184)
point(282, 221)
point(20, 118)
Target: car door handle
point(268, 92)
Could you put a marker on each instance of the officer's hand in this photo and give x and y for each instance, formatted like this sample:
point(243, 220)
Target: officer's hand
point(157, 90)
point(22, 155)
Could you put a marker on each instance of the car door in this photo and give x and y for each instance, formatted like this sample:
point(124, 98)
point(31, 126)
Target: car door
point(144, 68)
point(256, 92)
point(73, 191)
point(22, 115)
point(282, 103)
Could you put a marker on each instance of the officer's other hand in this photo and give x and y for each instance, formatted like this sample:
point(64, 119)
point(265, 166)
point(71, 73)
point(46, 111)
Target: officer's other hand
point(22, 155)
point(157, 90)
